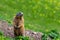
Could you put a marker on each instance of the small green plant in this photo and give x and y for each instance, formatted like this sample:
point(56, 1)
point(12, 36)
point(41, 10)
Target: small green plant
point(44, 37)
point(1, 33)
point(21, 38)
point(53, 34)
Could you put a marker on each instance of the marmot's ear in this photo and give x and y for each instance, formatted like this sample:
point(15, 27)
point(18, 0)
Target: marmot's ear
point(20, 14)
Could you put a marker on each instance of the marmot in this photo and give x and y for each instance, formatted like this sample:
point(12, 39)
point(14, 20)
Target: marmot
point(18, 24)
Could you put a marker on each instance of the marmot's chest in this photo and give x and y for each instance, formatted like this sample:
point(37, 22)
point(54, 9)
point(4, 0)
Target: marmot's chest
point(18, 22)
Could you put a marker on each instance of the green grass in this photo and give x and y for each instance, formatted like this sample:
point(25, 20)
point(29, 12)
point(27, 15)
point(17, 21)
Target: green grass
point(39, 15)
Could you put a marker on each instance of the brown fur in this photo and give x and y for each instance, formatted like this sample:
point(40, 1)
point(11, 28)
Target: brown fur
point(19, 26)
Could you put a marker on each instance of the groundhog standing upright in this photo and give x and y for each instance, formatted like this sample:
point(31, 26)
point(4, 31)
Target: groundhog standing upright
point(18, 24)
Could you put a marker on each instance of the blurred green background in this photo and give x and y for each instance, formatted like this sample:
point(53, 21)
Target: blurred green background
point(39, 15)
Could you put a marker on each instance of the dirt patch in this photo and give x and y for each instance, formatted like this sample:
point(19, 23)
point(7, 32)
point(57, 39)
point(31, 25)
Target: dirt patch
point(8, 31)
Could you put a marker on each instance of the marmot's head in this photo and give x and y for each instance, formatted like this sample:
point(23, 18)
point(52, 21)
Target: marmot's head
point(19, 15)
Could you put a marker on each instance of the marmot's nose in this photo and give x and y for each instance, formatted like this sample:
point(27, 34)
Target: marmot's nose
point(20, 14)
